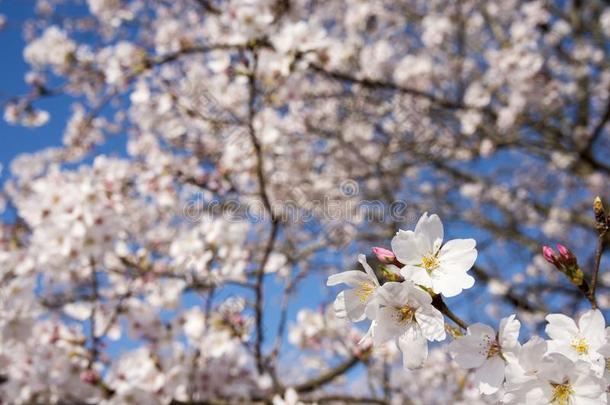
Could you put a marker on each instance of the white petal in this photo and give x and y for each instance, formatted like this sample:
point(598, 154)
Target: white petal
point(431, 322)
point(580, 400)
point(354, 306)
point(339, 305)
point(417, 275)
point(431, 228)
point(413, 346)
point(450, 284)
point(367, 268)
point(509, 332)
point(394, 293)
point(386, 325)
point(562, 347)
point(458, 254)
point(417, 296)
point(466, 351)
point(532, 353)
point(557, 367)
point(457, 246)
point(592, 326)
point(586, 385)
point(480, 329)
point(370, 310)
point(405, 247)
point(490, 375)
point(352, 278)
point(560, 327)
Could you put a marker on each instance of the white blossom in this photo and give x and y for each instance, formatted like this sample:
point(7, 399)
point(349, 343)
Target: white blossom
point(432, 264)
point(406, 314)
point(578, 342)
point(360, 300)
point(487, 351)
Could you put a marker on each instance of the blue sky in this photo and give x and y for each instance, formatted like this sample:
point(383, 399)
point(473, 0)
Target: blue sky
point(16, 139)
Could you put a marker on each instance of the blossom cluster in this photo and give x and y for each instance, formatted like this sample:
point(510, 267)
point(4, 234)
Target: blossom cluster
point(125, 277)
point(404, 302)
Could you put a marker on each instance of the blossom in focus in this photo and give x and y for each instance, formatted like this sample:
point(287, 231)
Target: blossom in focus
point(406, 314)
point(578, 342)
point(487, 352)
point(526, 365)
point(562, 382)
point(359, 301)
point(429, 263)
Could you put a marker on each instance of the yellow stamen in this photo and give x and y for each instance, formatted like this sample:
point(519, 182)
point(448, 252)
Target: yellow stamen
point(581, 346)
point(365, 290)
point(562, 394)
point(430, 262)
point(494, 350)
point(405, 314)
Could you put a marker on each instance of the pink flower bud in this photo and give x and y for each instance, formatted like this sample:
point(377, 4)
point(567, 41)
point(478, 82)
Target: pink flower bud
point(549, 254)
point(564, 251)
point(567, 258)
point(384, 255)
point(89, 376)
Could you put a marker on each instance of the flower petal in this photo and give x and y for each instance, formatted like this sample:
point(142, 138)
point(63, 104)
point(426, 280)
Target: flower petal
point(490, 375)
point(592, 326)
point(368, 269)
point(417, 275)
point(431, 322)
point(431, 228)
point(394, 293)
point(386, 325)
point(560, 327)
point(466, 351)
point(417, 296)
point(339, 305)
point(509, 332)
point(450, 284)
point(413, 346)
point(480, 329)
point(405, 247)
point(370, 311)
point(352, 278)
point(458, 254)
point(354, 306)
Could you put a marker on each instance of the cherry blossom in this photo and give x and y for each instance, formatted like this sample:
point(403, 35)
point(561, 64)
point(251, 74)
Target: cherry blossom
point(432, 264)
point(487, 351)
point(360, 300)
point(405, 313)
point(193, 172)
point(578, 342)
point(560, 381)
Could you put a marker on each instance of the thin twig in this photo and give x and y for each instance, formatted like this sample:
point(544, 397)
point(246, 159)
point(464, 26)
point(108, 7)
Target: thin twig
point(439, 304)
point(328, 376)
point(601, 241)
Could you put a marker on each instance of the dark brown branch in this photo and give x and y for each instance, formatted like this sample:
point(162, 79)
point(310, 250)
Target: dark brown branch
point(439, 304)
point(346, 399)
point(383, 85)
point(262, 184)
point(602, 225)
point(328, 376)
